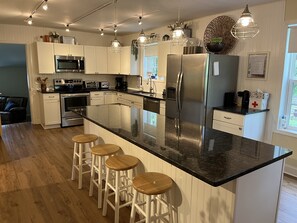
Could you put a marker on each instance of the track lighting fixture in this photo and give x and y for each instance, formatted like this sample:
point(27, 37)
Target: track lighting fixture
point(115, 29)
point(30, 20)
point(67, 28)
point(140, 20)
point(102, 33)
point(45, 6)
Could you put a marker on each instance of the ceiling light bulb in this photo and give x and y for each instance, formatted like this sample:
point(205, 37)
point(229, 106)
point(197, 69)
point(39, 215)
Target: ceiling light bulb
point(30, 20)
point(102, 33)
point(177, 33)
point(67, 28)
point(115, 43)
point(45, 6)
point(142, 38)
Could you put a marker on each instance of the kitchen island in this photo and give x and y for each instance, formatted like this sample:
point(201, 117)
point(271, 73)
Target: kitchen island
point(219, 177)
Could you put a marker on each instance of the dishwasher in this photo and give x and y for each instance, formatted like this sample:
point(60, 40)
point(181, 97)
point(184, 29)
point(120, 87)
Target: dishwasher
point(151, 104)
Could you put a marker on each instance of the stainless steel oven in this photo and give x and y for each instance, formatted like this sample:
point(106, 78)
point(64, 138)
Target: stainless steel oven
point(73, 101)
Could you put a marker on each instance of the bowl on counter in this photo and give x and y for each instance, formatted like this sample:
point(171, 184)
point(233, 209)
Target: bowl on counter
point(215, 47)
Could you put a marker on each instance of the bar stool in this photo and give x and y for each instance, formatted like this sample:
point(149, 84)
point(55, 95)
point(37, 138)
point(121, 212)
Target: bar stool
point(120, 165)
point(99, 153)
point(80, 153)
point(154, 186)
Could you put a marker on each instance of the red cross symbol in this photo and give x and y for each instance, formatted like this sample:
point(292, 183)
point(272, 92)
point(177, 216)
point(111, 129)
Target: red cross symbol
point(255, 104)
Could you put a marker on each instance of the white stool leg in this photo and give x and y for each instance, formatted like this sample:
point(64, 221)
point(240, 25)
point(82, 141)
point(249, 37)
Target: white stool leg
point(92, 175)
point(80, 166)
point(100, 169)
point(154, 206)
point(159, 207)
point(133, 208)
point(74, 161)
point(117, 197)
point(104, 212)
point(169, 207)
point(148, 209)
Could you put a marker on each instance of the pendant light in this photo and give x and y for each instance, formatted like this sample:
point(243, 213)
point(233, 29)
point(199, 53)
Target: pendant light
point(115, 44)
point(142, 38)
point(178, 35)
point(245, 27)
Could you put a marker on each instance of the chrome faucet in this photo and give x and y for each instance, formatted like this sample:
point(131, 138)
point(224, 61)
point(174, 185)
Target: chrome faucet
point(151, 85)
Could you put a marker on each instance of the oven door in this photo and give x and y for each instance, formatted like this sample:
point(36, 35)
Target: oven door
point(70, 101)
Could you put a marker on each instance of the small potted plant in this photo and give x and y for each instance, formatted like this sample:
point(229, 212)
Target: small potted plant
point(215, 45)
point(42, 83)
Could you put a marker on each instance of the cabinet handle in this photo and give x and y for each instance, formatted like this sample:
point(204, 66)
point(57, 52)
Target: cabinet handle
point(225, 117)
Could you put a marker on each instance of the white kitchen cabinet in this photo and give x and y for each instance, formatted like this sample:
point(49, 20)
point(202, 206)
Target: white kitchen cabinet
point(43, 54)
point(248, 126)
point(97, 98)
point(113, 61)
point(95, 59)
point(110, 97)
point(68, 49)
point(125, 63)
point(130, 100)
point(50, 110)
point(165, 48)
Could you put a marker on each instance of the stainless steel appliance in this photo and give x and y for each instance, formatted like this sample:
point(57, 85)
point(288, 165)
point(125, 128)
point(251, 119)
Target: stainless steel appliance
point(73, 101)
point(72, 96)
point(104, 85)
point(69, 64)
point(196, 83)
point(151, 104)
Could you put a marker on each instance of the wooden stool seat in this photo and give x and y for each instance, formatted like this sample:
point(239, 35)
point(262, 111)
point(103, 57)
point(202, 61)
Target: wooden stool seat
point(155, 188)
point(152, 183)
point(84, 138)
point(105, 149)
point(121, 162)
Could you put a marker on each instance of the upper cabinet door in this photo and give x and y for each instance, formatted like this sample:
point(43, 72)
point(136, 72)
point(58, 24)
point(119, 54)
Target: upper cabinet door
point(90, 60)
point(45, 58)
point(68, 49)
point(163, 51)
point(113, 61)
point(125, 60)
point(101, 59)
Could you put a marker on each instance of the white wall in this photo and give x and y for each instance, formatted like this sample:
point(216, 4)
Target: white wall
point(272, 38)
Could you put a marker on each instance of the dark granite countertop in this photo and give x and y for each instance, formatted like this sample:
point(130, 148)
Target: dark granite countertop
point(240, 111)
point(134, 92)
point(212, 156)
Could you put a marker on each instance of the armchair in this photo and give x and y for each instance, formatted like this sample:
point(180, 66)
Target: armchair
point(13, 109)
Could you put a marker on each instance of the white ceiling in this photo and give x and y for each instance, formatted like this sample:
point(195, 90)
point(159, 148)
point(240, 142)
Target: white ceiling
point(156, 13)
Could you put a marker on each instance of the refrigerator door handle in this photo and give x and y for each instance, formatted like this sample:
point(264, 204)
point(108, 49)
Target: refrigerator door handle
point(179, 90)
point(177, 93)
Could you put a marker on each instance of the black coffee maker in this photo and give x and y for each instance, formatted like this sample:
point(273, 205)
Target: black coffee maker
point(245, 98)
point(119, 83)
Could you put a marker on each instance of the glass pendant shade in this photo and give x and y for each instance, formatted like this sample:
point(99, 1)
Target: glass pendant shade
point(245, 27)
point(45, 6)
point(115, 43)
point(142, 38)
point(177, 33)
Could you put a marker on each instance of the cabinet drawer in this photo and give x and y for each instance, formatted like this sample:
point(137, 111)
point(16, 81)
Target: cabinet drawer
point(96, 94)
point(51, 97)
point(228, 117)
point(227, 127)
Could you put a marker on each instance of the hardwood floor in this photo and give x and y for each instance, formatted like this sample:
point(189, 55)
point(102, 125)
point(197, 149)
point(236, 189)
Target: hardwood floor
point(35, 185)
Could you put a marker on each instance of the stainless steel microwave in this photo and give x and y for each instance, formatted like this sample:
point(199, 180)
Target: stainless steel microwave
point(69, 64)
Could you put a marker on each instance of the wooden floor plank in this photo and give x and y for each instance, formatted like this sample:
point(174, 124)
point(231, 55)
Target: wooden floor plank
point(35, 185)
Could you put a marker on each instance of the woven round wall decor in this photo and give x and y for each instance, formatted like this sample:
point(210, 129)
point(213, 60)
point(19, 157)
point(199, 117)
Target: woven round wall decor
point(220, 27)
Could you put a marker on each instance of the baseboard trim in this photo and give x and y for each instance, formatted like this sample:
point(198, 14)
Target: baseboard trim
point(291, 170)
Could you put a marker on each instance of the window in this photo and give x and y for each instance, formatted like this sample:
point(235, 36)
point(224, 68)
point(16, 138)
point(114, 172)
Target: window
point(289, 119)
point(150, 62)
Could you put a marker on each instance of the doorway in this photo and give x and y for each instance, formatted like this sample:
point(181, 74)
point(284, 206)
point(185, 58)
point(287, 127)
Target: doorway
point(13, 83)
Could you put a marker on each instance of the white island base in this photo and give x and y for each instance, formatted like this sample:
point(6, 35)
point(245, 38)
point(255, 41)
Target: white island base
point(252, 198)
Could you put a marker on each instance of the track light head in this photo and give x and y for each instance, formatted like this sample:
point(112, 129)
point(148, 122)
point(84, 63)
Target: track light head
point(30, 20)
point(140, 20)
point(67, 28)
point(45, 6)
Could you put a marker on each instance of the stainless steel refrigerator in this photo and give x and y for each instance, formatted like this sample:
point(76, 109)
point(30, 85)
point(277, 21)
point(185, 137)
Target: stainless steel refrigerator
point(196, 83)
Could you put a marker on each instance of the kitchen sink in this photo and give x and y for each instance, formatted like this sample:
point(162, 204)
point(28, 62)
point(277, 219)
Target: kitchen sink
point(145, 93)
